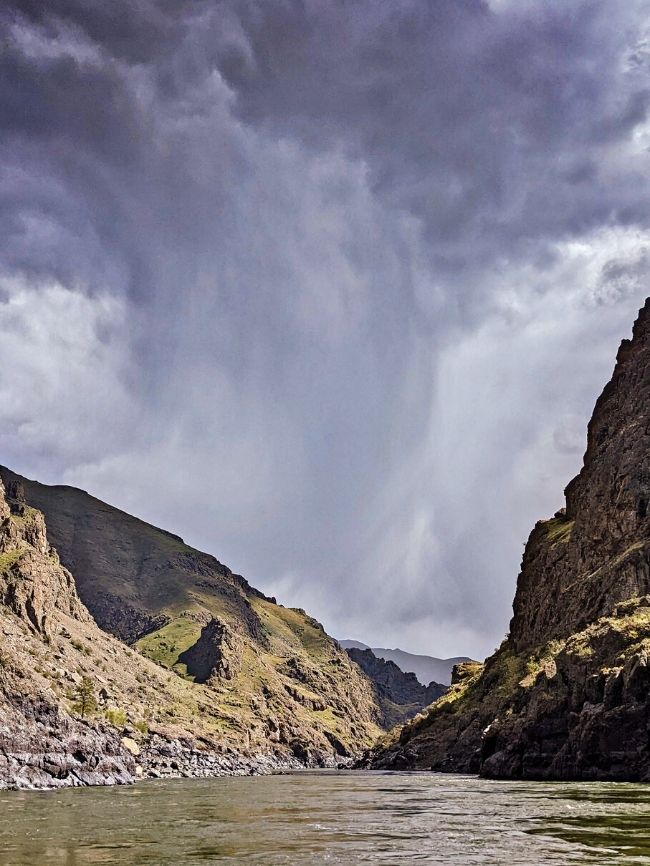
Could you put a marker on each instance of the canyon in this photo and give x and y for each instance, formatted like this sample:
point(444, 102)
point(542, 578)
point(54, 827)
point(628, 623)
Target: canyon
point(186, 668)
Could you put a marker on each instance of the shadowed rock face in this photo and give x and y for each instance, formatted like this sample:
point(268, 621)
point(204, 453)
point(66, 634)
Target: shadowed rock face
point(400, 695)
point(215, 654)
point(567, 695)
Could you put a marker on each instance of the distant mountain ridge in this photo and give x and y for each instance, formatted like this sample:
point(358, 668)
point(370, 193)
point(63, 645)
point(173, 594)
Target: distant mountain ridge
point(426, 668)
point(400, 695)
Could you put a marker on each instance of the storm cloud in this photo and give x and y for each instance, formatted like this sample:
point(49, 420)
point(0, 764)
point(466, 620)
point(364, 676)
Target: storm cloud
point(328, 288)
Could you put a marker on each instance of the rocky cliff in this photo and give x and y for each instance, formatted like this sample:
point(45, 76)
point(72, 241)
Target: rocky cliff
point(400, 695)
point(40, 742)
point(213, 659)
point(567, 695)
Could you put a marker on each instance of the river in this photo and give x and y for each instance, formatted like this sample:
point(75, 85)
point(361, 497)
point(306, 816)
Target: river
point(311, 819)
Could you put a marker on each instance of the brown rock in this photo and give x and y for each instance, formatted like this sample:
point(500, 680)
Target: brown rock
point(216, 654)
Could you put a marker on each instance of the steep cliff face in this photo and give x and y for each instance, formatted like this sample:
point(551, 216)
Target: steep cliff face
point(582, 563)
point(567, 695)
point(33, 584)
point(400, 695)
point(247, 673)
point(40, 742)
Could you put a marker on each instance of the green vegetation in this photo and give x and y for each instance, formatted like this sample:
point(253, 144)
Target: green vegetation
point(166, 645)
point(290, 625)
point(82, 648)
point(639, 605)
point(28, 516)
point(559, 530)
point(84, 694)
point(544, 660)
point(116, 717)
point(454, 700)
point(613, 637)
point(9, 559)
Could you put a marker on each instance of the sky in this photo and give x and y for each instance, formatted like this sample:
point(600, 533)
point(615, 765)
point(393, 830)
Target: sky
point(327, 287)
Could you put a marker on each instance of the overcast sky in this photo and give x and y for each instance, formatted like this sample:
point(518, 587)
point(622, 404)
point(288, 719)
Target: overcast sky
point(327, 287)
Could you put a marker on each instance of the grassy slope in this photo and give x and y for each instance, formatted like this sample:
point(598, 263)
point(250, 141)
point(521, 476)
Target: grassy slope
point(294, 681)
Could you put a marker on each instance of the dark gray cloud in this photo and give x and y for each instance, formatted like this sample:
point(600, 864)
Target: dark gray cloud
point(327, 287)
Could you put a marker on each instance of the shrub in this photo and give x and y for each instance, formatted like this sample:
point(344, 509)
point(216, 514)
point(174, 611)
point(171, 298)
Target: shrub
point(116, 717)
point(82, 648)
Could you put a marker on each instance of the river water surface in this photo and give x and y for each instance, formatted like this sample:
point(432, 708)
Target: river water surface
point(311, 819)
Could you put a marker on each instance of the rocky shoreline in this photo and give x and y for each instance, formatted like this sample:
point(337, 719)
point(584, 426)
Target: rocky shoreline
point(164, 759)
point(52, 751)
point(53, 769)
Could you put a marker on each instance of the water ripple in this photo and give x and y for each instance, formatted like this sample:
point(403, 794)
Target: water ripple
point(342, 819)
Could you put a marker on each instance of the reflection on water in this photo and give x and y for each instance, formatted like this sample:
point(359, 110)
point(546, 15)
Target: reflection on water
point(329, 818)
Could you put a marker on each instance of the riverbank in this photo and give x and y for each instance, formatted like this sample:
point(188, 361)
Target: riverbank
point(164, 759)
point(85, 754)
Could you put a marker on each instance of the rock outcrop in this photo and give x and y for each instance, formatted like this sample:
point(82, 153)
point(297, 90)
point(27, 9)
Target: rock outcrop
point(567, 694)
point(400, 695)
point(41, 746)
point(216, 654)
point(33, 583)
